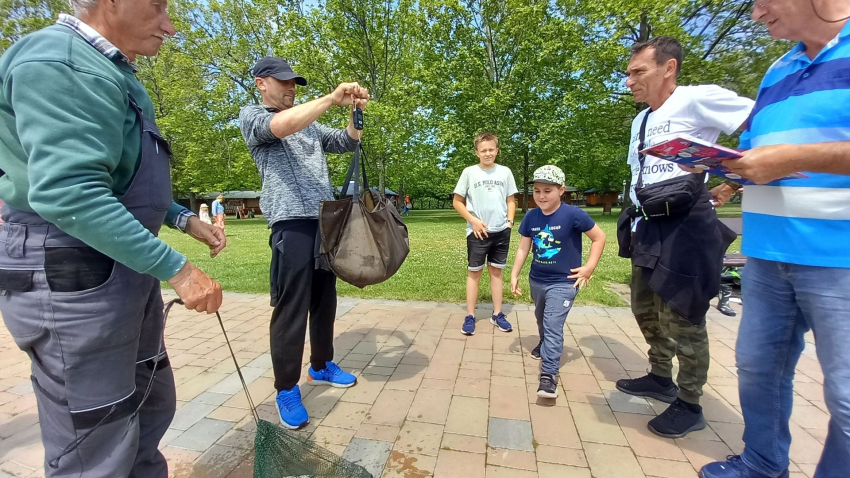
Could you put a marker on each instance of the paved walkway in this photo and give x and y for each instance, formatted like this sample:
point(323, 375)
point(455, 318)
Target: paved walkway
point(432, 402)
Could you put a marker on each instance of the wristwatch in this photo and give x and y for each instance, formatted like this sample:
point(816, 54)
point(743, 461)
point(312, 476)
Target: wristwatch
point(511, 222)
point(732, 184)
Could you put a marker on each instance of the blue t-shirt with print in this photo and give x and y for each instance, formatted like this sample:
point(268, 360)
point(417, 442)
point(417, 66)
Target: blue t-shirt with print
point(555, 242)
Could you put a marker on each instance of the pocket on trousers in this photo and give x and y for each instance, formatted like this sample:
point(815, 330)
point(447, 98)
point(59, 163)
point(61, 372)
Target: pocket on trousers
point(76, 269)
point(99, 330)
point(102, 378)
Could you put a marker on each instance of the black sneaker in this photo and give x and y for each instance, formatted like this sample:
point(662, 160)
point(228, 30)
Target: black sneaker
point(723, 301)
point(677, 421)
point(535, 352)
point(548, 386)
point(646, 386)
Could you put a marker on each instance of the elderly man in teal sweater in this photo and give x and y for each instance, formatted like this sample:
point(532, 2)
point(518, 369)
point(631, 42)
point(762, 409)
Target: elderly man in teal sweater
point(86, 185)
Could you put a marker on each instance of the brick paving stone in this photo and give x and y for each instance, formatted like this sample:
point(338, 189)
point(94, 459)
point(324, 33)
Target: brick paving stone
point(596, 423)
point(419, 438)
point(326, 435)
point(455, 464)
point(390, 408)
point(521, 460)
point(509, 402)
point(347, 415)
point(378, 432)
point(465, 443)
point(478, 388)
point(202, 434)
point(190, 414)
point(430, 405)
point(370, 454)
point(666, 469)
point(701, 452)
point(367, 389)
point(510, 434)
point(623, 402)
point(554, 426)
point(548, 470)
point(561, 456)
point(408, 465)
point(609, 461)
point(468, 416)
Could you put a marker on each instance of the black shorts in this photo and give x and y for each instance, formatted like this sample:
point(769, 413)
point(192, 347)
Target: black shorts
point(491, 250)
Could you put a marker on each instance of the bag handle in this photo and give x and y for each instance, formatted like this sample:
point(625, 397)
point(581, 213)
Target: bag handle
point(355, 169)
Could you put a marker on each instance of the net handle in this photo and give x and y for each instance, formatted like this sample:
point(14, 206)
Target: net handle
point(236, 363)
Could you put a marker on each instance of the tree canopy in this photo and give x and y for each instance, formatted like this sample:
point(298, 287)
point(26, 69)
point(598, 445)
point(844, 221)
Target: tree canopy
point(548, 77)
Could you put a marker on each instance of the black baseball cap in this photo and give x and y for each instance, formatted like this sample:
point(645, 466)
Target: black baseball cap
point(276, 68)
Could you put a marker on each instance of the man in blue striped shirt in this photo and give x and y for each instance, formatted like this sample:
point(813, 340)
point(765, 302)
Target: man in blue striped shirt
point(796, 235)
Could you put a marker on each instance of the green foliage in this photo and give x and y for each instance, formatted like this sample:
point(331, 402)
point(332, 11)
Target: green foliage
point(547, 76)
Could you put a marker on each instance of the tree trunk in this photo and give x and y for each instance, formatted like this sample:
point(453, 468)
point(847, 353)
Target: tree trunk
point(381, 189)
point(525, 183)
point(193, 202)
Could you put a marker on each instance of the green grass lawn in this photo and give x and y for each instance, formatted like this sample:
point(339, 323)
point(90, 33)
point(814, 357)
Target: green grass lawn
point(435, 270)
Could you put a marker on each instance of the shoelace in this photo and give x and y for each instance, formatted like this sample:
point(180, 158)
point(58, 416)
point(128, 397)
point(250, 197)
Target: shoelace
point(675, 412)
point(333, 369)
point(469, 321)
point(546, 382)
point(290, 400)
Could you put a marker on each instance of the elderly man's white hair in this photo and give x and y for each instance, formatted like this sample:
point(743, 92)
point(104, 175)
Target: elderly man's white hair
point(82, 6)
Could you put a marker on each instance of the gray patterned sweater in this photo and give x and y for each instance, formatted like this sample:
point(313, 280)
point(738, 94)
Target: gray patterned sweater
point(294, 169)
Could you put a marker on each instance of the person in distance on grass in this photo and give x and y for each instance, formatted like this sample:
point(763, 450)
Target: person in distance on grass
point(484, 196)
point(552, 233)
point(288, 147)
point(676, 260)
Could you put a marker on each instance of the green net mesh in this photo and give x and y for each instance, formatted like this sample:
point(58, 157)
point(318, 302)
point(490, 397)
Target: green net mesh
point(279, 452)
point(283, 453)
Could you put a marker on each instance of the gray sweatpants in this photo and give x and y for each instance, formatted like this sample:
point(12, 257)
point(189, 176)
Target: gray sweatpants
point(552, 303)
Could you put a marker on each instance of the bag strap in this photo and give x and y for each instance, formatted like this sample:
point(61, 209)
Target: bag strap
point(355, 169)
point(641, 156)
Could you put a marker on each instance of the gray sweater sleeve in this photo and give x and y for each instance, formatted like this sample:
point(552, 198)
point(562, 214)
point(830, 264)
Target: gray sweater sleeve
point(255, 123)
point(336, 140)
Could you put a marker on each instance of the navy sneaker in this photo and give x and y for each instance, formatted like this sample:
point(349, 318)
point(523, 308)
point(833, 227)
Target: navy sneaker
point(331, 375)
point(535, 353)
point(501, 322)
point(733, 467)
point(468, 325)
point(548, 386)
point(291, 411)
point(677, 421)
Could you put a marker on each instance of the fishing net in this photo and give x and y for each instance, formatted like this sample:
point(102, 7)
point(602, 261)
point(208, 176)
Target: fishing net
point(279, 452)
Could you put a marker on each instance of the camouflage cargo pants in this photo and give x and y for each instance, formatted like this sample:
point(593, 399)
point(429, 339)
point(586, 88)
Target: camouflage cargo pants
point(669, 334)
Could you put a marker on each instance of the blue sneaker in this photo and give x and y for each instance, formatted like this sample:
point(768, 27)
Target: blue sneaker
point(501, 322)
point(291, 411)
point(733, 467)
point(331, 375)
point(468, 325)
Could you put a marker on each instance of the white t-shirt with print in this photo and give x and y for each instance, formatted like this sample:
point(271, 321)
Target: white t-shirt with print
point(702, 111)
point(486, 192)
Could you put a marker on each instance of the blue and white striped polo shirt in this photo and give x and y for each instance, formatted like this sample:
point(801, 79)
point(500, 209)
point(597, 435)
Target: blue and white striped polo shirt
point(801, 221)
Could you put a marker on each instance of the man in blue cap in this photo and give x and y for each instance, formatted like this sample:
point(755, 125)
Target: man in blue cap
point(288, 147)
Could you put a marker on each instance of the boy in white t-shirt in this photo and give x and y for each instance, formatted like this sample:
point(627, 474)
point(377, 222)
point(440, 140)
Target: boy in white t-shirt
point(484, 196)
point(669, 305)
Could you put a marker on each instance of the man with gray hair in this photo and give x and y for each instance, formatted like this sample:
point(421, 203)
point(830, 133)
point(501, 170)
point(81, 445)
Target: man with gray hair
point(86, 184)
point(797, 277)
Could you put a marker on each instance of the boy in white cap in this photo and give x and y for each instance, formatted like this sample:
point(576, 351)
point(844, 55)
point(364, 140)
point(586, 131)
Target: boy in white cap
point(552, 231)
